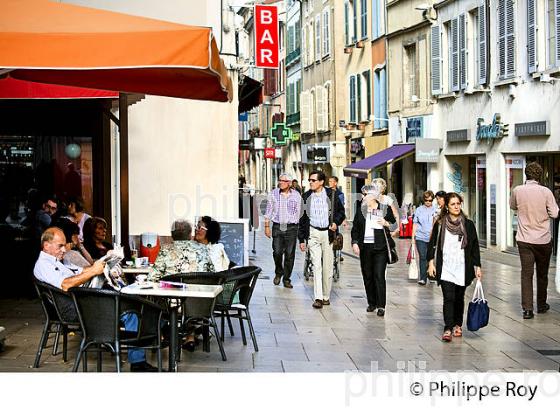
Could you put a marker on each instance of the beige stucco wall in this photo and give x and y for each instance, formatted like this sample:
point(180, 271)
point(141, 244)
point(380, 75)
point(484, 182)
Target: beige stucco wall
point(182, 153)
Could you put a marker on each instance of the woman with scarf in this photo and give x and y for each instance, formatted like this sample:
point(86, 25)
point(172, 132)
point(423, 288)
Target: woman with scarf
point(454, 260)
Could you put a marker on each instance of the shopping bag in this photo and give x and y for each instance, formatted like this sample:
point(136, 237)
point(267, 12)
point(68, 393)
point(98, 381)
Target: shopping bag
point(413, 270)
point(478, 312)
point(410, 255)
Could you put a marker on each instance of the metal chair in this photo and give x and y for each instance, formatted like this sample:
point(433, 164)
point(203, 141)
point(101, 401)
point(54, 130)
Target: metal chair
point(242, 280)
point(60, 318)
point(100, 313)
point(199, 311)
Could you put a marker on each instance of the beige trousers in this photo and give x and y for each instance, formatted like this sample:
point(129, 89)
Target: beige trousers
point(321, 253)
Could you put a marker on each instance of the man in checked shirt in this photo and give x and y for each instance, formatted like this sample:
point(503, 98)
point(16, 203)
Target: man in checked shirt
point(283, 210)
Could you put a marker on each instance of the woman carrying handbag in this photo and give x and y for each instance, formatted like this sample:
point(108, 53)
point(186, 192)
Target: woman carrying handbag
point(454, 260)
point(372, 242)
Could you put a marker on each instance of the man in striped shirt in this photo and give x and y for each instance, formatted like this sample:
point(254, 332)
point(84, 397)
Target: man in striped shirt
point(283, 210)
point(314, 227)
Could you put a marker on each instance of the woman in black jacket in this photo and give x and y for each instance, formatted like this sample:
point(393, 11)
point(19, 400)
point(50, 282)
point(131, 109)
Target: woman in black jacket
point(454, 260)
point(372, 241)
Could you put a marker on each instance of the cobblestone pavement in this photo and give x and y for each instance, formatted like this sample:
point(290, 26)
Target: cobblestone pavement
point(294, 337)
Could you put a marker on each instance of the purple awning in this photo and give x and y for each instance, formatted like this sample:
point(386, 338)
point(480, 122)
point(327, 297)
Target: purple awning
point(362, 168)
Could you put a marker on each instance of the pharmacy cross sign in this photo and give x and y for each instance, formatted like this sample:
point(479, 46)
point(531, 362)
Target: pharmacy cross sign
point(280, 134)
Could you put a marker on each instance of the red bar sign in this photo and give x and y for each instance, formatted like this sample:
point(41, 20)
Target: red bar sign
point(269, 153)
point(266, 36)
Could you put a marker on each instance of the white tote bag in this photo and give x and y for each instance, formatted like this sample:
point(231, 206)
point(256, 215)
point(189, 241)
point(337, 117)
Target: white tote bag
point(413, 267)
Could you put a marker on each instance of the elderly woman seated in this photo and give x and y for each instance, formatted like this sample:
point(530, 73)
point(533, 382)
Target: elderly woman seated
point(183, 255)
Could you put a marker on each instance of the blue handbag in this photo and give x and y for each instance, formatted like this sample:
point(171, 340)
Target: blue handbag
point(478, 312)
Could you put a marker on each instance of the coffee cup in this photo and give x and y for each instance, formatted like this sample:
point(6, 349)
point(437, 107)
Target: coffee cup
point(138, 262)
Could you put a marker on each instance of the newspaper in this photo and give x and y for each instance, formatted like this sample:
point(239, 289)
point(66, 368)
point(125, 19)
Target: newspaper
point(113, 271)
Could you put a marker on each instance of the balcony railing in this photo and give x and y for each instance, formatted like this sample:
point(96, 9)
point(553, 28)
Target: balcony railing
point(293, 56)
point(292, 119)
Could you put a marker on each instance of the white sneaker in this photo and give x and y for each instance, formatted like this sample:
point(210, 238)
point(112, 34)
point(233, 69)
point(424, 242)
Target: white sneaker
point(422, 282)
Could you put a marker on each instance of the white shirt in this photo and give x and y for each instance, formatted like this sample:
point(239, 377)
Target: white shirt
point(81, 225)
point(218, 256)
point(453, 269)
point(50, 270)
point(319, 209)
point(373, 221)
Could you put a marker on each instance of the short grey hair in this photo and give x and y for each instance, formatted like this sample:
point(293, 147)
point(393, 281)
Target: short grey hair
point(49, 235)
point(181, 230)
point(285, 174)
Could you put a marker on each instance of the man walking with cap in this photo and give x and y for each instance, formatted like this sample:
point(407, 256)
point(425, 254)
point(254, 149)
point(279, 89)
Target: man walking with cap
point(283, 211)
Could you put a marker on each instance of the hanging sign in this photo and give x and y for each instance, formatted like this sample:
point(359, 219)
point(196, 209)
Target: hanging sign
point(266, 36)
point(269, 153)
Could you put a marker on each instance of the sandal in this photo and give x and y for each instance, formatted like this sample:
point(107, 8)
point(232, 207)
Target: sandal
point(457, 331)
point(446, 337)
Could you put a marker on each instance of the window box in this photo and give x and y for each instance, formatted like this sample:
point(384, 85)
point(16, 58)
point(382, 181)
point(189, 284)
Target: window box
point(348, 49)
point(360, 44)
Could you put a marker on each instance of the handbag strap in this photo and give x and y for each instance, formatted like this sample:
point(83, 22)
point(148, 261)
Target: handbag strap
point(387, 242)
point(478, 293)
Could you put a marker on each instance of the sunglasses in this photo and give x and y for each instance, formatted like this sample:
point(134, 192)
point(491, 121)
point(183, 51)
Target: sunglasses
point(282, 180)
point(312, 180)
point(428, 200)
point(199, 227)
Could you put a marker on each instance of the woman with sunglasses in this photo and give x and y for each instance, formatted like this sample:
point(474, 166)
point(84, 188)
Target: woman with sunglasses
point(421, 230)
point(208, 232)
point(454, 246)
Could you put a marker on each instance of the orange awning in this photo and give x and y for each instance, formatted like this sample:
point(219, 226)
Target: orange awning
point(59, 43)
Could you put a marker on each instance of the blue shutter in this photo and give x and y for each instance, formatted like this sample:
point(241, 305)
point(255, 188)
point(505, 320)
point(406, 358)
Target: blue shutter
point(359, 99)
point(355, 33)
point(482, 36)
point(383, 98)
point(376, 99)
point(363, 9)
point(436, 60)
point(374, 18)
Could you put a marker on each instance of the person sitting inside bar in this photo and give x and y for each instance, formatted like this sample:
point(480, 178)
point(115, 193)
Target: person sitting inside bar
point(95, 231)
point(50, 269)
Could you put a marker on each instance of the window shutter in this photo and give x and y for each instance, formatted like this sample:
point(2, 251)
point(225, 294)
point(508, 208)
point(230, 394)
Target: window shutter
point(557, 10)
point(367, 79)
point(482, 41)
point(376, 99)
point(436, 60)
point(303, 51)
point(304, 104)
point(355, 26)
point(363, 9)
point(328, 104)
point(374, 18)
point(311, 44)
point(311, 110)
point(502, 38)
point(346, 23)
point(352, 92)
point(326, 33)
point(359, 98)
point(531, 36)
point(510, 30)
point(318, 37)
point(319, 107)
point(454, 55)
point(383, 98)
point(463, 49)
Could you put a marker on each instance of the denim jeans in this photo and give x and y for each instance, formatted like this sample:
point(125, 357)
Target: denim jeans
point(422, 248)
point(130, 322)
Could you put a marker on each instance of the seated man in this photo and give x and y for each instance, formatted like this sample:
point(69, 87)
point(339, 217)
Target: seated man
point(50, 269)
point(181, 256)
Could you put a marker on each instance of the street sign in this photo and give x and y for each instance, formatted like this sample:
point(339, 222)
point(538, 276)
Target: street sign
point(266, 36)
point(280, 134)
point(269, 153)
point(246, 145)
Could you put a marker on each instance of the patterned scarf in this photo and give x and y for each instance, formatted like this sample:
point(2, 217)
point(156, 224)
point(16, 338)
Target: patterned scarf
point(456, 227)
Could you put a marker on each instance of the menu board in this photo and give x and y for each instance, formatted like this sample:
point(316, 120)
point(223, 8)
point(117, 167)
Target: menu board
point(235, 238)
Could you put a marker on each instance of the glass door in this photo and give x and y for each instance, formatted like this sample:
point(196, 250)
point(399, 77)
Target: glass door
point(514, 177)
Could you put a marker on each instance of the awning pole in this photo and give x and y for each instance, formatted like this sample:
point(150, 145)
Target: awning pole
point(123, 157)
